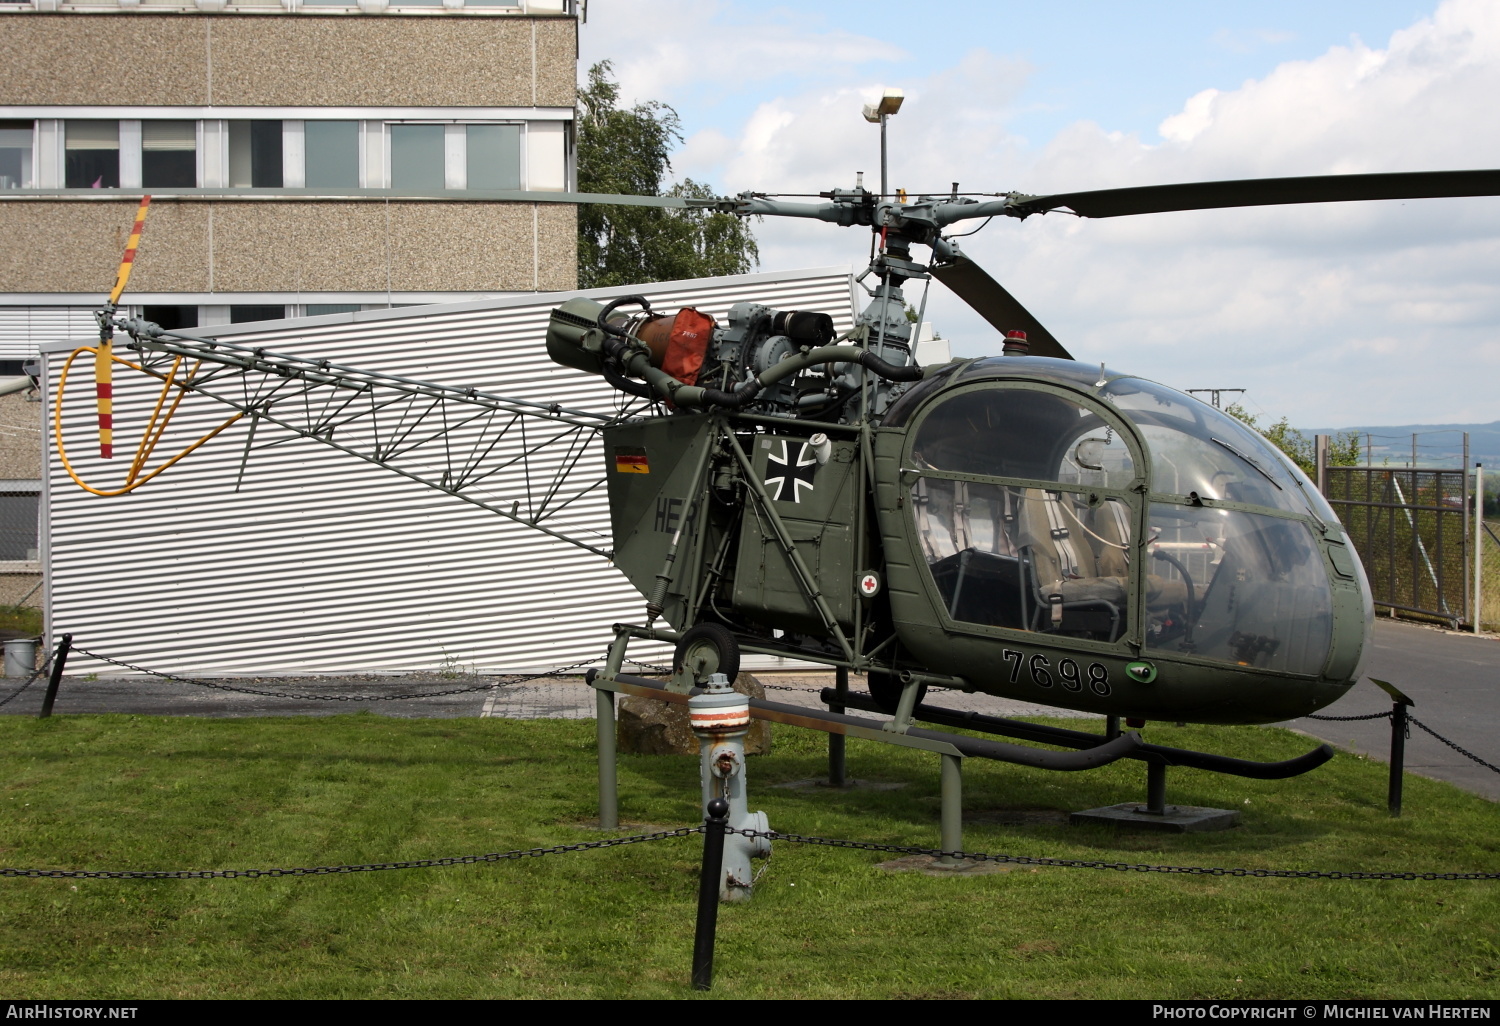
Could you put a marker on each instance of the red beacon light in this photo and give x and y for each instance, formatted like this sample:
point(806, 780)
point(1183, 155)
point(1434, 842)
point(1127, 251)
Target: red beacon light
point(1016, 344)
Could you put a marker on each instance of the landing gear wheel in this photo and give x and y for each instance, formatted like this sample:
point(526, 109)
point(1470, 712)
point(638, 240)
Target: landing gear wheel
point(705, 649)
point(886, 689)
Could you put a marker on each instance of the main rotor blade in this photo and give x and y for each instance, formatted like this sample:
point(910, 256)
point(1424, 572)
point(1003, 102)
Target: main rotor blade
point(1258, 192)
point(974, 286)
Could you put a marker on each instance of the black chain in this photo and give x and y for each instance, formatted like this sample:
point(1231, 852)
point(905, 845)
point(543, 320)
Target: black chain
point(666, 670)
point(1461, 751)
point(371, 867)
point(1123, 867)
point(29, 681)
point(1410, 719)
point(314, 697)
point(773, 835)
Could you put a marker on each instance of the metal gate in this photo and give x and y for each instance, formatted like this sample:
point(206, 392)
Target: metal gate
point(1411, 528)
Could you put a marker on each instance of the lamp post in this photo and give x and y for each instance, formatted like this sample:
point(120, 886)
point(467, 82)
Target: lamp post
point(878, 113)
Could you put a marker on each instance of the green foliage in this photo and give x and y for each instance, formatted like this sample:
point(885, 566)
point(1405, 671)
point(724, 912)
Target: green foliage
point(197, 792)
point(1343, 448)
point(627, 151)
point(24, 621)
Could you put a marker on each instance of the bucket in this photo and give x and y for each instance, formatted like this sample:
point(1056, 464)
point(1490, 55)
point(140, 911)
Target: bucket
point(20, 657)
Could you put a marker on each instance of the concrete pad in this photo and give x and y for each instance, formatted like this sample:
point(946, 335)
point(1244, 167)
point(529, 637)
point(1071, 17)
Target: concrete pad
point(1177, 819)
point(930, 865)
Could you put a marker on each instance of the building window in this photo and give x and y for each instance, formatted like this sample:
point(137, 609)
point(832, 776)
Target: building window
point(332, 153)
point(171, 318)
point(92, 155)
point(255, 154)
point(18, 516)
point(494, 156)
point(247, 314)
point(319, 309)
point(169, 154)
point(417, 157)
point(15, 155)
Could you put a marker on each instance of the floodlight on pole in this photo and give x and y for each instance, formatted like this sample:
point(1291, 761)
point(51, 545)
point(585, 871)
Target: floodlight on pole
point(877, 113)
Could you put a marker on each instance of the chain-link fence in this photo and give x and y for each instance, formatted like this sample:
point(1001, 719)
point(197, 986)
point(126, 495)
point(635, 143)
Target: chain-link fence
point(1409, 529)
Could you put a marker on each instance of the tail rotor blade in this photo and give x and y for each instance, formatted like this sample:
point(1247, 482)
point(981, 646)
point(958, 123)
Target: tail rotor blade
point(104, 387)
point(128, 261)
point(988, 297)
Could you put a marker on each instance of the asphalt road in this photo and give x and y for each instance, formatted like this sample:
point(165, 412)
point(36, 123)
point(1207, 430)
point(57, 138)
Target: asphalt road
point(1454, 680)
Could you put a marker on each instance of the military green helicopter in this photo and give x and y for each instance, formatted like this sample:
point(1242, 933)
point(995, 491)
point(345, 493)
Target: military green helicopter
point(1024, 525)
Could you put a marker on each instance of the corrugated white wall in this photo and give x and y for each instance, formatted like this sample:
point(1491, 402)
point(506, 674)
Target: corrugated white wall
point(322, 563)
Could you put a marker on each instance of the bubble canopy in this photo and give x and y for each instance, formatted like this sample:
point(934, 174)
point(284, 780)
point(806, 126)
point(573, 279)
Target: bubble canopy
point(1196, 449)
point(1027, 512)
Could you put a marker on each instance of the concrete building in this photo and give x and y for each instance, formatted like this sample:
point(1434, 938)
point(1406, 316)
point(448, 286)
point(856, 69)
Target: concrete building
point(304, 158)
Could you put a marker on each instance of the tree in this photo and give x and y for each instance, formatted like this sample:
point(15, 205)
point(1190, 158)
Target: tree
point(627, 151)
point(1343, 448)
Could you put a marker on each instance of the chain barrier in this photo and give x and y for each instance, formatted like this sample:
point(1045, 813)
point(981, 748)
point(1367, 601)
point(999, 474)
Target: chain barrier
point(371, 867)
point(490, 686)
point(1123, 867)
point(29, 681)
point(772, 835)
point(1461, 751)
point(1410, 719)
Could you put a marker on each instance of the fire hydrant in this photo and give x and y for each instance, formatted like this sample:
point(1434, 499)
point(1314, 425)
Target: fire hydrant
point(721, 718)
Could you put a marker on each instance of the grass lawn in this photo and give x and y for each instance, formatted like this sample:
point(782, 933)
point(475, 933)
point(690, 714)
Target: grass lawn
point(139, 792)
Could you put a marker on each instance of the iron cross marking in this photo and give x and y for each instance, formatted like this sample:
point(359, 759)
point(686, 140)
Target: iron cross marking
point(791, 471)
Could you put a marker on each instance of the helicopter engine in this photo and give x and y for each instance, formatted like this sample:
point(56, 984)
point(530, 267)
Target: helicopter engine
point(777, 362)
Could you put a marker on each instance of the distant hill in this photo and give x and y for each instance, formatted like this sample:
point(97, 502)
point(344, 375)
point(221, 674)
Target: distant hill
point(1436, 443)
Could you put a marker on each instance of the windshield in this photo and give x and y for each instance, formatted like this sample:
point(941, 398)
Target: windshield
point(1198, 449)
point(1244, 588)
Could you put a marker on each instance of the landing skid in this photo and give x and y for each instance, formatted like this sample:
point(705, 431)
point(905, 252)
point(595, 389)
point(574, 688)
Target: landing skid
point(1155, 814)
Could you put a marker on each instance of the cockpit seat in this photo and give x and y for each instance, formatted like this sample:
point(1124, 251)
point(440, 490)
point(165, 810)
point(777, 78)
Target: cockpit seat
point(1111, 537)
point(1064, 572)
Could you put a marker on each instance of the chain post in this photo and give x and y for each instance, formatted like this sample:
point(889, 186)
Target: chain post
point(58, 661)
point(709, 877)
point(1398, 757)
point(1399, 729)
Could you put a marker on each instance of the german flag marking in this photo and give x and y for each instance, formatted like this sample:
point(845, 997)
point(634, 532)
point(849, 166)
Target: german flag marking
point(631, 459)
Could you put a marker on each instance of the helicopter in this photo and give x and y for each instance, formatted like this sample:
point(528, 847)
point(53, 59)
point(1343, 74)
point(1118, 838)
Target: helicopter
point(1024, 525)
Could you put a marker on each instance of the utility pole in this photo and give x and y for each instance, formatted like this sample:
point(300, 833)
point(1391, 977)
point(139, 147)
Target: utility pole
point(1214, 394)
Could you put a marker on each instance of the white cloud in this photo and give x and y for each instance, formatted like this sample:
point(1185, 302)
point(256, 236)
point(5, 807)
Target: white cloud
point(667, 47)
point(1332, 313)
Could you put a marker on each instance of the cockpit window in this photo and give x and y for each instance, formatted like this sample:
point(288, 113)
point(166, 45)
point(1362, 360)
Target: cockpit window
point(1198, 449)
point(1048, 549)
point(1023, 433)
point(1244, 588)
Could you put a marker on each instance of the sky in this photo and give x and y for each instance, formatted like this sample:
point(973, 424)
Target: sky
point(1330, 315)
